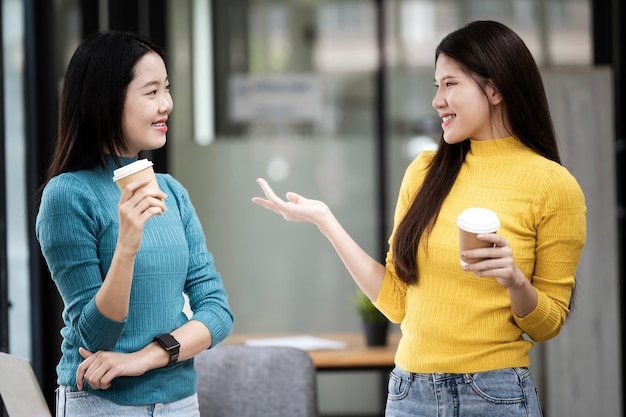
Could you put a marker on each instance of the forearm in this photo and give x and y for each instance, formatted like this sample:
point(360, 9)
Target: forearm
point(113, 297)
point(365, 270)
point(193, 336)
point(100, 368)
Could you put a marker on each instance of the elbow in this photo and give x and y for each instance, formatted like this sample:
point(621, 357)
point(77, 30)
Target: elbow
point(545, 333)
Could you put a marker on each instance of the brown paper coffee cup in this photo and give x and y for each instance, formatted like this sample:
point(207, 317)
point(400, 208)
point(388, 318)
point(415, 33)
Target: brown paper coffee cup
point(141, 168)
point(472, 222)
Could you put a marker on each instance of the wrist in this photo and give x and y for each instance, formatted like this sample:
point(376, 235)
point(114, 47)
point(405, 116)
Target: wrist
point(327, 222)
point(168, 345)
point(520, 281)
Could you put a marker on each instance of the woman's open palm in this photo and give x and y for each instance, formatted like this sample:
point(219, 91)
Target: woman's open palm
point(295, 209)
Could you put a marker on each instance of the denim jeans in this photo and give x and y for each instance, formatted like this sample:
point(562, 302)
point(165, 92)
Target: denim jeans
point(506, 392)
point(73, 403)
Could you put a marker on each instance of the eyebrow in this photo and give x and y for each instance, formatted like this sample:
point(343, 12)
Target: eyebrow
point(153, 83)
point(446, 77)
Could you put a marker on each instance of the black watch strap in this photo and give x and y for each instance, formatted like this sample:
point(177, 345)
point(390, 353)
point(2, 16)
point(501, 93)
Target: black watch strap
point(171, 345)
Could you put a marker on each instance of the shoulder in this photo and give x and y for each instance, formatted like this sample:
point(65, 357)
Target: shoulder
point(557, 188)
point(73, 197)
point(414, 177)
point(422, 162)
point(174, 190)
point(70, 186)
point(416, 171)
point(171, 185)
point(560, 183)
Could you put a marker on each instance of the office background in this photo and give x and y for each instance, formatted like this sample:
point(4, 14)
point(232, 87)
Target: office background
point(347, 121)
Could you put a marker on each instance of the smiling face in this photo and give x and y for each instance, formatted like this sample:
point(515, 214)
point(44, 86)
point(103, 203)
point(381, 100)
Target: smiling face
point(466, 110)
point(147, 106)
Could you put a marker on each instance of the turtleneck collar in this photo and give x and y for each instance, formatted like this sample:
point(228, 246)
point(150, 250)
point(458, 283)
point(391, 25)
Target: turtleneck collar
point(124, 160)
point(495, 146)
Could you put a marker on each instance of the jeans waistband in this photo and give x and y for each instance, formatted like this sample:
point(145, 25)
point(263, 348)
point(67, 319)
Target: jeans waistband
point(445, 376)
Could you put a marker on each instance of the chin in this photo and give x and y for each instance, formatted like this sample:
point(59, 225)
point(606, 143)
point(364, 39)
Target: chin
point(157, 145)
point(451, 139)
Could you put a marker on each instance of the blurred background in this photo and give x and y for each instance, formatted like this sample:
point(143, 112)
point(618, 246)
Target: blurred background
point(332, 99)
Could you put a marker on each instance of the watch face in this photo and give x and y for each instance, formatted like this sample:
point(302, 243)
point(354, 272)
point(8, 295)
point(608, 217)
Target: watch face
point(167, 341)
point(170, 345)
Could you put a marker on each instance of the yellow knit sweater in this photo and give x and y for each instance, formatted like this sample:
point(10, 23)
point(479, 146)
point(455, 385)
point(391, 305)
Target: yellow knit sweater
point(453, 321)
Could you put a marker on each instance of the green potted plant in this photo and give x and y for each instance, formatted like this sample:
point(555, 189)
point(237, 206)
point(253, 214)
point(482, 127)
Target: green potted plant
point(375, 324)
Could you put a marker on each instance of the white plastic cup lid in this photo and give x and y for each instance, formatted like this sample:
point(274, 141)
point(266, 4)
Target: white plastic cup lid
point(131, 168)
point(478, 220)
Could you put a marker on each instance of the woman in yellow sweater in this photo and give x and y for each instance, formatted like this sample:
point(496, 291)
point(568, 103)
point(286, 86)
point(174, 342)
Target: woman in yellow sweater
point(467, 330)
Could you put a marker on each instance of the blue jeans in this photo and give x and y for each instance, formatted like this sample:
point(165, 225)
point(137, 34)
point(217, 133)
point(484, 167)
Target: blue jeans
point(506, 392)
point(73, 403)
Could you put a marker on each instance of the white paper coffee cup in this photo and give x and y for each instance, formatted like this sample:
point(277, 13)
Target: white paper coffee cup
point(474, 221)
point(141, 168)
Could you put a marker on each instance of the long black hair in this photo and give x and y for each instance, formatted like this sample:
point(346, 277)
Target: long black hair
point(489, 52)
point(92, 100)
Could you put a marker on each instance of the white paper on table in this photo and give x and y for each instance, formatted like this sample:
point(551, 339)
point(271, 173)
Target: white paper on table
point(304, 342)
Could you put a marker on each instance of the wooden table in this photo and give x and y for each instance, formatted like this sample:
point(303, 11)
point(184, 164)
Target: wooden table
point(356, 356)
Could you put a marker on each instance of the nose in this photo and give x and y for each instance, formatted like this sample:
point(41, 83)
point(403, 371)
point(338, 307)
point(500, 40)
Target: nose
point(438, 100)
point(166, 104)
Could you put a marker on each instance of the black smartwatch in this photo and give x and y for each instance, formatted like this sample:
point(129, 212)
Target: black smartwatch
point(171, 346)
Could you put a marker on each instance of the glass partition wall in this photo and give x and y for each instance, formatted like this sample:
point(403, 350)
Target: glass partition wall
point(294, 102)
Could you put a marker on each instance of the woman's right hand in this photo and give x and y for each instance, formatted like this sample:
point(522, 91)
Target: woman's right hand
point(137, 204)
point(295, 209)
point(366, 271)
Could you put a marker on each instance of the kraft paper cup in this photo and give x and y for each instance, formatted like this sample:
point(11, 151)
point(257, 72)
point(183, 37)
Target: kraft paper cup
point(474, 221)
point(141, 168)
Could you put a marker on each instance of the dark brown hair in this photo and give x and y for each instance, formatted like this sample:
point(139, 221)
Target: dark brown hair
point(487, 51)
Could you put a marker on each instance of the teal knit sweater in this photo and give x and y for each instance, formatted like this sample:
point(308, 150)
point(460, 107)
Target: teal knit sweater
point(77, 228)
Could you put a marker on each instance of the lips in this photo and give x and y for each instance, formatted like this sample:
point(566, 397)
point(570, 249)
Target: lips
point(160, 125)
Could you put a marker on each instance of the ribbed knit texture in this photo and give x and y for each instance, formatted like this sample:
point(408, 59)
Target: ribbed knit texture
point(77, 227)
point(453, 321)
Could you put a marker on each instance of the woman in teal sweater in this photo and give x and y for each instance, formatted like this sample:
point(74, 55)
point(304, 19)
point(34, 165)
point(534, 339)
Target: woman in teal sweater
point(122, 260)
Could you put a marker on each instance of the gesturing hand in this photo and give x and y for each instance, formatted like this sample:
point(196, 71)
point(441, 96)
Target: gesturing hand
point(295, 209)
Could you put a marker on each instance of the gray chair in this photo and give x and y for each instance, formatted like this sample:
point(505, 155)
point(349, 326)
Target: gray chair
point(251, 381)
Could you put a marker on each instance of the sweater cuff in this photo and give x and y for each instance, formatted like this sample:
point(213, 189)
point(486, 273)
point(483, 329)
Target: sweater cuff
point(219, 323)
point(540, 324)
point(388, 301)
point(97, 331)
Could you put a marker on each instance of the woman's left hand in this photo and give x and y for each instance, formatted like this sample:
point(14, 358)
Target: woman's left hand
point(499, 262)
point(101, 368)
